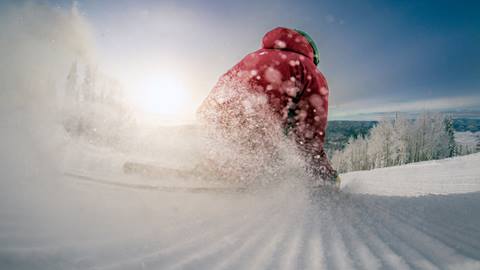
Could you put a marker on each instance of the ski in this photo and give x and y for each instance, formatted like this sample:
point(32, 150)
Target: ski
point(153, 187)
point(158, 172)
point(154, 171)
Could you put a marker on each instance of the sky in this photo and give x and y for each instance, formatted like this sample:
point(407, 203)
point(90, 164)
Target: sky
point(378, 56)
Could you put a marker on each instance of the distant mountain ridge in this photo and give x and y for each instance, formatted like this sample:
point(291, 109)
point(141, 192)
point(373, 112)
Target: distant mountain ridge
point(455, 114)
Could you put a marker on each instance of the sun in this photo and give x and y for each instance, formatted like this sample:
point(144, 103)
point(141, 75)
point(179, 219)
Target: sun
point(161, 94)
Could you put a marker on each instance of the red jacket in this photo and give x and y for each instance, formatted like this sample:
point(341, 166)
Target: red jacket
point(284, 71)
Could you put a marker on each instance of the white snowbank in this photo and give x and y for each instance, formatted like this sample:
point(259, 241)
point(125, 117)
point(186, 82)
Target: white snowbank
point(455, 175)
point(467, 138)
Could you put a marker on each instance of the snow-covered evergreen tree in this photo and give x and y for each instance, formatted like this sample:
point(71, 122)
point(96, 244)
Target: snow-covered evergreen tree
point(452, 146)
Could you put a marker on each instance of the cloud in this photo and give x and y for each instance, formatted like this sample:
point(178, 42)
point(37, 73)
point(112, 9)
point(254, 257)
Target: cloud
point(379, 106)
point(330, 18)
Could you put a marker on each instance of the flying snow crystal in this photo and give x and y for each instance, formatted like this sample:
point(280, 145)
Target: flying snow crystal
point(330, 18)
point(316, 101)
point(280, 44)
point(247, 106)
point(324, 91)
point(258, 88)
point(289, 88)
point(302, 114)
point(292, 91)
point(251, 60)
point(309, 134)
point(273, 76)
point(294, 63)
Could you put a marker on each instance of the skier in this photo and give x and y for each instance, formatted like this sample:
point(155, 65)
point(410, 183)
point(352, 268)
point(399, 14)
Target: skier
point(285, 71)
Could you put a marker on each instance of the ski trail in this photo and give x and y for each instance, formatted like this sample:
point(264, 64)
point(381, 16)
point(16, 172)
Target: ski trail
point(212, 236)
point(402, 246)
point(296, 245)
point(394, 252)
point(360, 253)
point(315, 255)
point(171, 253)
point(430, 247)
point(113, 251)
point(445, 231)
point(243, 252)
point(282, 254)
point(305, 248)
point(263, 256)
point(251, 229)
point(389, 258)
point(336, 249)
point(220, 251)
point(183, 244)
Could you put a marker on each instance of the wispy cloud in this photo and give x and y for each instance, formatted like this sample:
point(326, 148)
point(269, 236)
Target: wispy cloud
point(352, 109)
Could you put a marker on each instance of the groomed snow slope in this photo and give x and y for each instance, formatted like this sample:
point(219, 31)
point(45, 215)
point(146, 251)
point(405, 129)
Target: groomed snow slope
point(377, 222)
point(447, 176)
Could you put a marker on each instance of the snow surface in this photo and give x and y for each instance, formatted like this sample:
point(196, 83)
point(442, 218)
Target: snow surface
point(419, 216)
point(467, 138)
point(467, 141)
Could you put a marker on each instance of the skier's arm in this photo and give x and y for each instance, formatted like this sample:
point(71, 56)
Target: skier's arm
point(311, 123)
point(311, 113)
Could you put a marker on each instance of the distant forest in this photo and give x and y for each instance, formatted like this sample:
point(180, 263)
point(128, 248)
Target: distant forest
point(472, 125)
point(338, 132)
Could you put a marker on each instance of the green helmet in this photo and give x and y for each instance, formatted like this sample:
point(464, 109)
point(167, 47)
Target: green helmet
point(316, 58)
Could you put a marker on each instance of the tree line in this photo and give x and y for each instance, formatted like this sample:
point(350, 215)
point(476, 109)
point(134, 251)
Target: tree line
point(399, 141)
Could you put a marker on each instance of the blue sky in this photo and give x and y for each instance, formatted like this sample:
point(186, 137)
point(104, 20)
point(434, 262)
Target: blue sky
point(376, 55)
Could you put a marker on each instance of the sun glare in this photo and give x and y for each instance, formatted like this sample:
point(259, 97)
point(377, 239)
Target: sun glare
point(163, 94)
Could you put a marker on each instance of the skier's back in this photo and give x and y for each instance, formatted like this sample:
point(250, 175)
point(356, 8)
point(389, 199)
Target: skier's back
point(284, 71)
